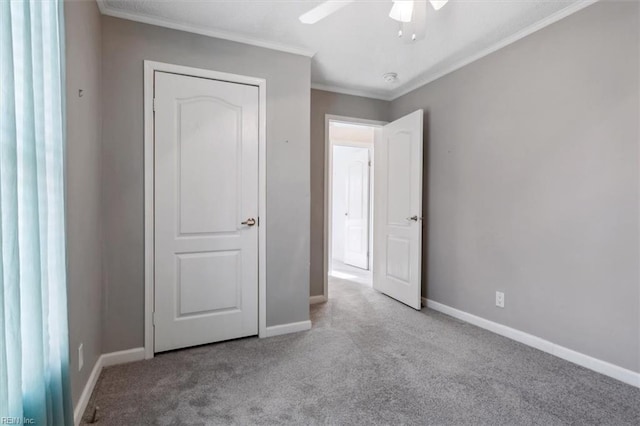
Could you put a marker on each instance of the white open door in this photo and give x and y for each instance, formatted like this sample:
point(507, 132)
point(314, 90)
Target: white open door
point(206, 206)
point(397, 213)
point(356, 242)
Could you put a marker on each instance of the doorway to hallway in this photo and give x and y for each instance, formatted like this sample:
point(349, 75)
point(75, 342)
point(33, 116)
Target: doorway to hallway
point(350, 188)
point(374, 220)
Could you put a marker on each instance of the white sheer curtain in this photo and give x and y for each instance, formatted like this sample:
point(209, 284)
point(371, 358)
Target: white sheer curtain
point(34, 385)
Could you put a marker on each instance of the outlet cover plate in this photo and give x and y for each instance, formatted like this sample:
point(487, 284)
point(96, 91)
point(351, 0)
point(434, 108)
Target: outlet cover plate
point(80, 357)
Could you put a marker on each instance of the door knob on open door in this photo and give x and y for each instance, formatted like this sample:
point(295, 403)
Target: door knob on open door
point(249, 222)
point(413, 218)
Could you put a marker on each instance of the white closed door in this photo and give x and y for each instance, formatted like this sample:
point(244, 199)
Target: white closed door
point(206, 186)
point(398, 210)
point(356, 242)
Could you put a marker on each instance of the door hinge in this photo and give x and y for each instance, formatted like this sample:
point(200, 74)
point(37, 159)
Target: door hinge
point(369, 163)
point(154, 104)
point(258, 221)
point(153, 318)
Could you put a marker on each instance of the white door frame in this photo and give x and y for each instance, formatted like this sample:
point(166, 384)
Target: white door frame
point(328, 182)
point(150, 67)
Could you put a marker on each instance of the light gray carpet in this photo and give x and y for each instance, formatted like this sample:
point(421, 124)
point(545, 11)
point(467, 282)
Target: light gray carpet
point(367, 360)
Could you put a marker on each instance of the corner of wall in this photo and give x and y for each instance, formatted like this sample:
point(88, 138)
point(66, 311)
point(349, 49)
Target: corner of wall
point(83, 39)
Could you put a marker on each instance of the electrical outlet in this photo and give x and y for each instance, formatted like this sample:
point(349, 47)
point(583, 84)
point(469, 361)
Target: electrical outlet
point(80, 357)
point(499, 299)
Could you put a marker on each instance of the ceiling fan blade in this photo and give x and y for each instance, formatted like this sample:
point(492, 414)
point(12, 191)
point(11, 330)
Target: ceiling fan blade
point(323, 10)
point(438, 4)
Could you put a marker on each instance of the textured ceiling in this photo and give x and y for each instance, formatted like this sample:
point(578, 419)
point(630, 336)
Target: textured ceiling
point(354, 47)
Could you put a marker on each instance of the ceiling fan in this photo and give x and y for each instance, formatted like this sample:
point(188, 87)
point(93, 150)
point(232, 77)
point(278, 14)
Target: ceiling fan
point(409, 13)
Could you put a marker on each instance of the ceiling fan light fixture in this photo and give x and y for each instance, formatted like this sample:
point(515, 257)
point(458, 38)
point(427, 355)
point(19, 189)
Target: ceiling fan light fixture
point(402, 10)
point(438, 4)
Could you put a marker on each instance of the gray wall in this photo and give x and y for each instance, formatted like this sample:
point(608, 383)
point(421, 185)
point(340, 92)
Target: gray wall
point(323, 103)
point(126, 45)
point(533, 184)
point(83, 185)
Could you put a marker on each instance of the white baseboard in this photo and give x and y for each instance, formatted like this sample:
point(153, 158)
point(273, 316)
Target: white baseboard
point(122, 357)
point(87, 391)
point(603, 367)
point(105, 360)
point(317, 299)
point(293, 327)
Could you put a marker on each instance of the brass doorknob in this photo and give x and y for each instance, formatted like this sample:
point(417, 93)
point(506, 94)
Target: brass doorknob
point(249, 222)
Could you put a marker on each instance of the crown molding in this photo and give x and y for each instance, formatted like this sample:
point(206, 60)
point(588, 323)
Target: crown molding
point(225, 35)
point(402, 90)
point(429, 77)
point(352, 92)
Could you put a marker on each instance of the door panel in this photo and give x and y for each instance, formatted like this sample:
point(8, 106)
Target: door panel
point(398, 177)
point(206, 184)
point(197, 272)
point(357, 223)
point(397, 253)
point(398, 260)
point(208, 145)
